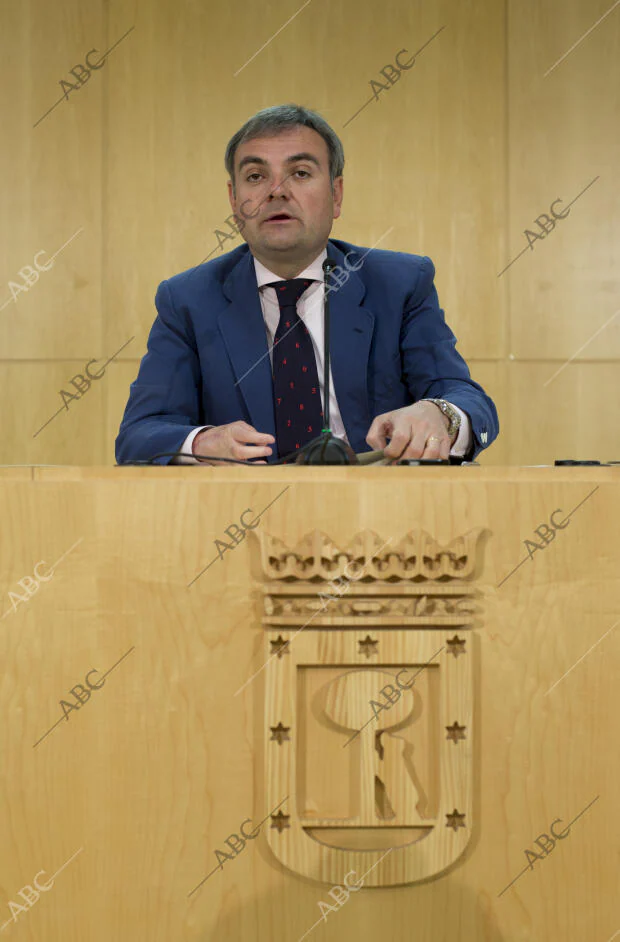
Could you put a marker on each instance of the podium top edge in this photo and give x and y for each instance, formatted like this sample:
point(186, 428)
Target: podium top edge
point(291, 474)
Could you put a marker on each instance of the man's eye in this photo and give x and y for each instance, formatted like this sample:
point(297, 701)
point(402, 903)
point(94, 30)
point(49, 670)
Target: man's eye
point(251, 175)
point(304, 172)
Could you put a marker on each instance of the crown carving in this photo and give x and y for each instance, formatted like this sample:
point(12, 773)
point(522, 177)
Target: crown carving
point(367, 558)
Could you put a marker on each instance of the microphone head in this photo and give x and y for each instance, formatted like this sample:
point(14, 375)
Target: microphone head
point(329, 264)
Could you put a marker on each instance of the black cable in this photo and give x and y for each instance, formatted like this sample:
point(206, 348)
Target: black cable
point(185, 454)
point(287, 459)
point(294, 455)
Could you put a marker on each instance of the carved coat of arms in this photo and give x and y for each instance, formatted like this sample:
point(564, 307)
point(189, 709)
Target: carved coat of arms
point(369, 703)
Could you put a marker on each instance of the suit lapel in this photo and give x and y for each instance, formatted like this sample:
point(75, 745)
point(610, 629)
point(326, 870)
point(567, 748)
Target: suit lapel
point(351, 331)
point(243, 331)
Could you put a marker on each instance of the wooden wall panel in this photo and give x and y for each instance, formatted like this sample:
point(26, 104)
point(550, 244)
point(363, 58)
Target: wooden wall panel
point(31, 392)
point(50, 193)
point(568, 418)
point(564, 134)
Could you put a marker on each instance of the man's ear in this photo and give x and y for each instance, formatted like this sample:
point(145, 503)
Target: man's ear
point(231, 196)
point(337, 196)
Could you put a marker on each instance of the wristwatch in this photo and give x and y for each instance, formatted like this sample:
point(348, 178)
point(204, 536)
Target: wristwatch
point(454, 419)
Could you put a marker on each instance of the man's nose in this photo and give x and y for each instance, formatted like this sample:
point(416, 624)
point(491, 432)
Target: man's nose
point(278, 191)
point(280, 188)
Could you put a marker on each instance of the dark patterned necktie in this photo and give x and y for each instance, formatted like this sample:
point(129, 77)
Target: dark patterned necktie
point(297, 395)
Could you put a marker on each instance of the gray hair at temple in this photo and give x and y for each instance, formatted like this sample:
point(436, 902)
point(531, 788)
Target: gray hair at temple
point(279, 118)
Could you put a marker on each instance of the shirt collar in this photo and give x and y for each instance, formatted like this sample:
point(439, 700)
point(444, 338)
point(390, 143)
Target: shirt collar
point(313, 271)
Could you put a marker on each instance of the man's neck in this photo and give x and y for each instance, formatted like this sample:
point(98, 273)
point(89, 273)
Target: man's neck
point(287, 267)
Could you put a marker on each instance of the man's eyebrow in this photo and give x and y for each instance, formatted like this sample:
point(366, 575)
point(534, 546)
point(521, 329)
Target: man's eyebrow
point(289, 160)
point(251, 160)
point(302, 156)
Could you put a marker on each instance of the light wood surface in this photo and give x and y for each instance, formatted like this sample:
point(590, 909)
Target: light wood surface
point(455, 160)
point(137, 789)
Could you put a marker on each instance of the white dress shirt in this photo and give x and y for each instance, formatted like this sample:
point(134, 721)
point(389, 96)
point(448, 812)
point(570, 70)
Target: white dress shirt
point(310, 310)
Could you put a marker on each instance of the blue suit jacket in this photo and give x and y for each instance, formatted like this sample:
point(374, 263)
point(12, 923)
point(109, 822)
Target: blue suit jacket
point(207, 361)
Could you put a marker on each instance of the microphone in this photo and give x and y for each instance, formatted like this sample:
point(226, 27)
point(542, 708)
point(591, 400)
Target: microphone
point(326, 449)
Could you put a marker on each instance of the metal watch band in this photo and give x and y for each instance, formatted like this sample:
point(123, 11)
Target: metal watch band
point(450, 413)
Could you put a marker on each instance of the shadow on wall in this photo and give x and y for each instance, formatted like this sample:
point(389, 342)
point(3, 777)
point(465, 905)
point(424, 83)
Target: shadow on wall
point(444, 910)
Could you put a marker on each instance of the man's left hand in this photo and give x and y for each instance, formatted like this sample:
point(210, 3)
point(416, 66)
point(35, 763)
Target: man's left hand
point(417, 431)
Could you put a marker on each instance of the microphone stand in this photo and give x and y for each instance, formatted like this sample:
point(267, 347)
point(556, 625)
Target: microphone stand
point(326, 448)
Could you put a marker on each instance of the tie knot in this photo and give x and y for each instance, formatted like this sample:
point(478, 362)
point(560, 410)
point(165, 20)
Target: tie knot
point(289, 292)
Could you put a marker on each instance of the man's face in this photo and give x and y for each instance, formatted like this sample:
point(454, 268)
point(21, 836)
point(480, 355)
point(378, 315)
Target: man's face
point(284, 199)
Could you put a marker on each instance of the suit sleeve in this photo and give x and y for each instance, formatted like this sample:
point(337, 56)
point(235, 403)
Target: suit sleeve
point(434, 369)
point(164, 401)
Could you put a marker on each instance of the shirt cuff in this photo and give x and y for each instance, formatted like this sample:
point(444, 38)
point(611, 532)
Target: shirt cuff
point(187, 447)
point(463, 442)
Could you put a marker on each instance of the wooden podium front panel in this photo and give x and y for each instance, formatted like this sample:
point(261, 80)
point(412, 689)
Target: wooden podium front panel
point(133, 692)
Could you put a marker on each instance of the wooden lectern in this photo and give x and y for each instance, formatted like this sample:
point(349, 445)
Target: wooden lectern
point(330, 703)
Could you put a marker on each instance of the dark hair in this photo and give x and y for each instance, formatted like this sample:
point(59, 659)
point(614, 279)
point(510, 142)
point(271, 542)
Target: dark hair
point(281, 118)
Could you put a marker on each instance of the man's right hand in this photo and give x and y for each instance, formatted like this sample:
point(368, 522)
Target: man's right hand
point(236, 440)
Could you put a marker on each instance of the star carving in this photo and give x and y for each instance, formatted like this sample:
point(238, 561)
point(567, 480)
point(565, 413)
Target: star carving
point(455, 820)
point(455, 732)
point(456, 645)
point(280, 733)
point(279, 646)
point(280, 821)
point(368, 646)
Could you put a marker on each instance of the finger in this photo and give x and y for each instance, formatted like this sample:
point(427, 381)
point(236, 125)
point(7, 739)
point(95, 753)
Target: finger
point(399, 442)
point(417, 444)
point(380, 428)
point(245, 433)
point(432, 447)
point(245, 452)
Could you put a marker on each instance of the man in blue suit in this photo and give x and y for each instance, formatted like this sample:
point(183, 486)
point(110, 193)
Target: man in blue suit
point(234, 366)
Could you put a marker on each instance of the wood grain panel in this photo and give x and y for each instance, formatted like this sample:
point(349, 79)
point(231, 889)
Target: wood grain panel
point(562, 417)
point(158, 767)
point(564, 134)
point(51, 181)
point(40, 427)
